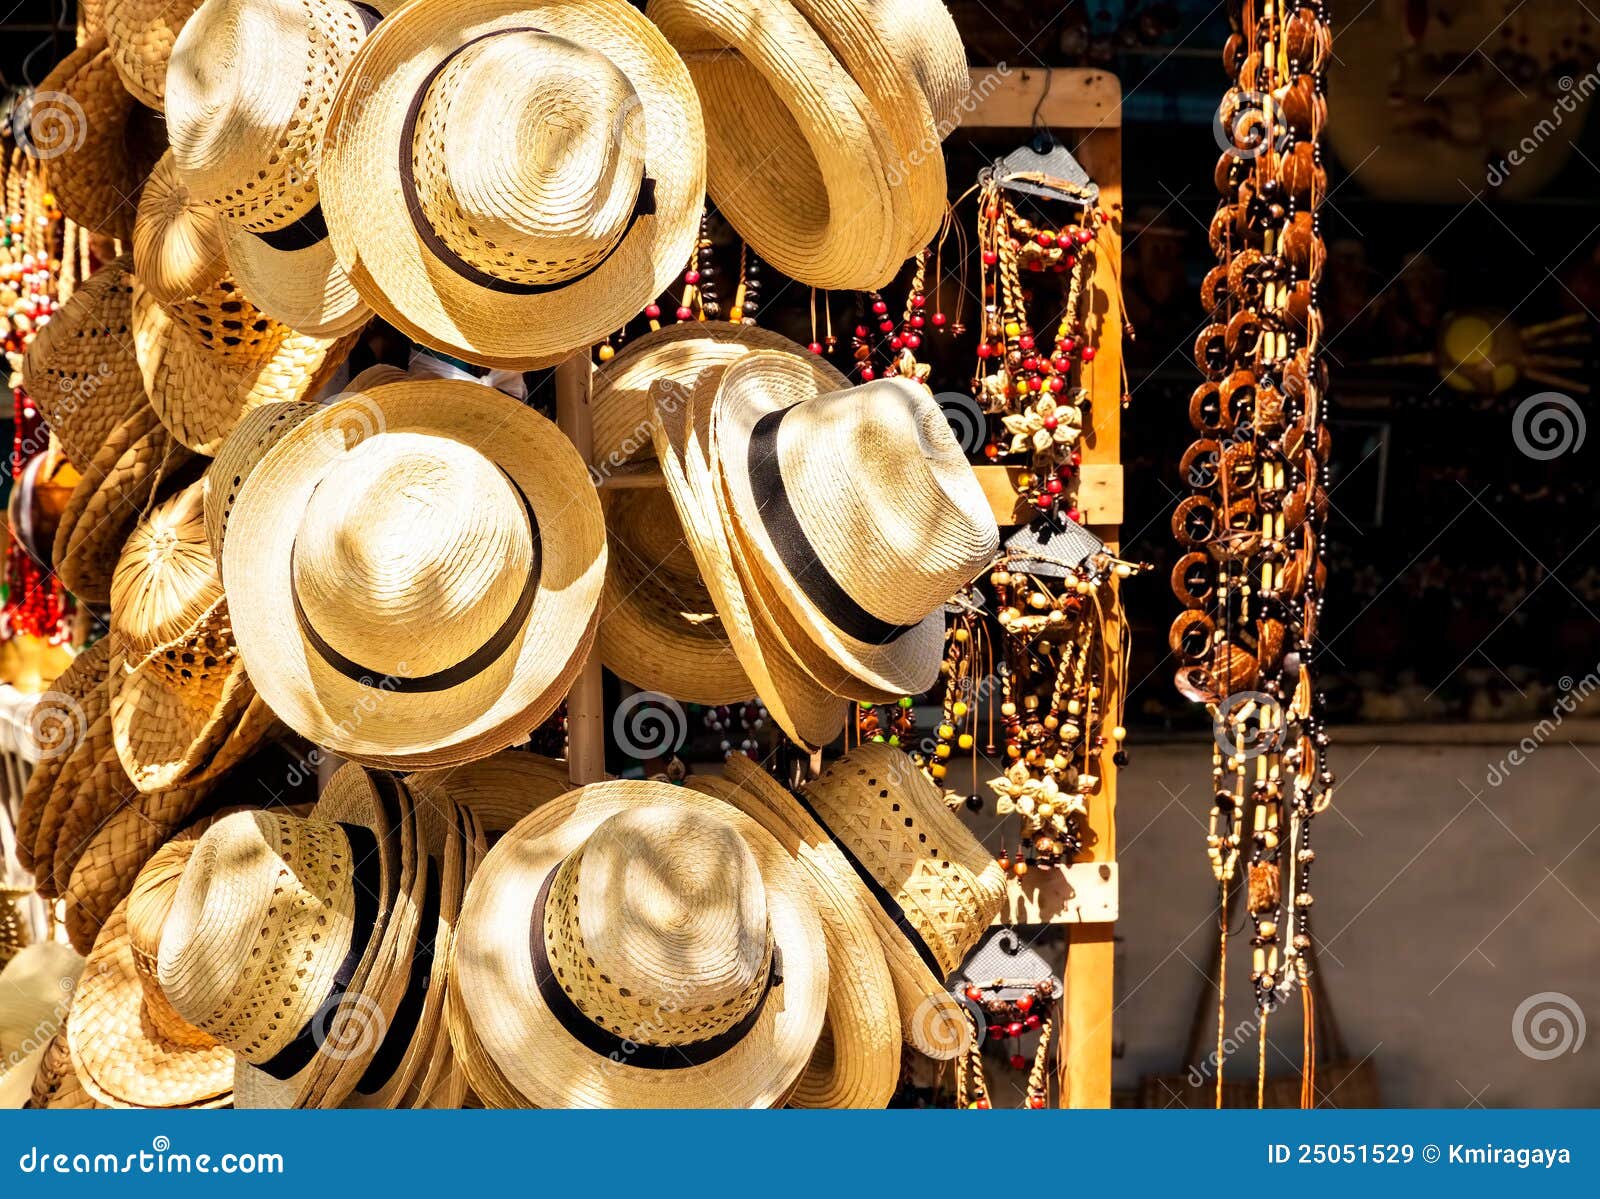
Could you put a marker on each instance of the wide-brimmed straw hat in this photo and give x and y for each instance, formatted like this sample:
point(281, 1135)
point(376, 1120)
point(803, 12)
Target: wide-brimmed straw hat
point(290, 939)
point(434, 601)
point(857, 1059)
point(80, 368)
point(676, 957)
point(177, 242)
point(210, 358)
point(252, 84)
point(824, 120)
point(141, 34)
point(658, 626)
point(937, 888)
point(807, 712)
point(178, 685)
point(859, 505)
point(129, 1048)
point(510, 180)
point(100, 142)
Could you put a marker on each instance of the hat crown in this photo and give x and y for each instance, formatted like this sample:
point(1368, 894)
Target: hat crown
point(531, 176)
point(228, 326)
point(166, 578)
point(148, 905)
point(418, 547)
point(658, 929)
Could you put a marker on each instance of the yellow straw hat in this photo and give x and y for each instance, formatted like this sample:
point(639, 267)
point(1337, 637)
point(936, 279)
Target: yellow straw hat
point(510, 180)
point(937, 888)
point(859, 505)
point(433, 602)
point(677, 959)
point(80, 368)
point(823, 123)
point(141, 34)
point(177, 242)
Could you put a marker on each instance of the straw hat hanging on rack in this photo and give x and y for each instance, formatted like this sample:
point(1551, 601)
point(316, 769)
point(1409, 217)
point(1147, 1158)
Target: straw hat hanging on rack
point(140, 34)
point(100, 142)
point(510, 180)
point(937, 888)
point(433, 602)
point(859, 507)
point(498, 790)
point(177, 241)
point(824, 120)
point(677, 959)
point(80, 367)
point(253, 82)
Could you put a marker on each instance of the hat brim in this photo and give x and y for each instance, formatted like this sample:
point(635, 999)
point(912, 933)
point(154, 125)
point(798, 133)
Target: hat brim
point(385, 726)
point(387, 259)
point(498, 790)
point(539, 1059)
point(305, 289)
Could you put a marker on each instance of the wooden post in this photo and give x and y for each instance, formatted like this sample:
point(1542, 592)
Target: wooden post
point(586, 721)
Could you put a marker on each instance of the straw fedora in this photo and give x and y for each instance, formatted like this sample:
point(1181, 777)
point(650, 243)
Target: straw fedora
point(100, 142)
point(140, 34)
point(80, 369)
point(178, 686)
point(129, 1048)
point(252, 84)
point(138, 461)
point(676, 959)
point(658, 626)
point(289, 939)
point(859, 505)
point(436, 602)
point(498, 790)
point(210, 358)
point(485, 210)
point(857, 1060)
point(808, 713)
point(937, 888)
point(824, 120)
point(177, 241)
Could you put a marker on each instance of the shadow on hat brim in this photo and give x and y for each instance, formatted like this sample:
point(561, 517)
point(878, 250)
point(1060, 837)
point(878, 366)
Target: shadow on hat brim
point(305, 289)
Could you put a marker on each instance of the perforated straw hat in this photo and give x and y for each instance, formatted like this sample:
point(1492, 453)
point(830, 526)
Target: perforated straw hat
point(824, 120)
point(676, 956)
point(252, 84)
point(510, 180)
point(859, 505)
point(414, 572)
point(937, 888)
point(141, 34)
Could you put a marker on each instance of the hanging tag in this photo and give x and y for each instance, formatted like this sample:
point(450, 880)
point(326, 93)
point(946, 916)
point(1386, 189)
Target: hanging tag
point(1046, 169)
point(1004, 956)
point(1056, 538)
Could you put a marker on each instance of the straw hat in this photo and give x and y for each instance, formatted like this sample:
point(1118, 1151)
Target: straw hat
point(45, 808)
point(99, 141)
point(859, 505)
point(479, 206)
point(677, 959)
point(658, 626)
point(209, 359)
point(498, 790)
point(178, 685)
point(138, 461)
point(177, 242)
point(289, 939)
point(252, 86)
point(80, 369)
point(129, 1048)
point(937, 888)
point(435, 603)
point(141, 34)
point(823, 123)
point(857, 1060)
point(256, 433)
point(810, 715)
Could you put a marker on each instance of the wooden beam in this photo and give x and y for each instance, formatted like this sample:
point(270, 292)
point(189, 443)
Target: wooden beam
point(1072, 99)
point(586, 719)
point(1099, 494)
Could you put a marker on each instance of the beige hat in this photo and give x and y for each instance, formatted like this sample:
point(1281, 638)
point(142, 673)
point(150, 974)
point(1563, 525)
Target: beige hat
point(36, 988)
point(252, 86)
point(99, 141)
point(861, 507)
point(434, 602)
point(511, 180)
point(498, 790)
point(824, 120)
point(80, 368)
point(937, 888)
point(677, 959)
point(658, 626)
point(808, 713)
point(256, 433)
point(141, 34)
point(177, 243)
point(857, 1060)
